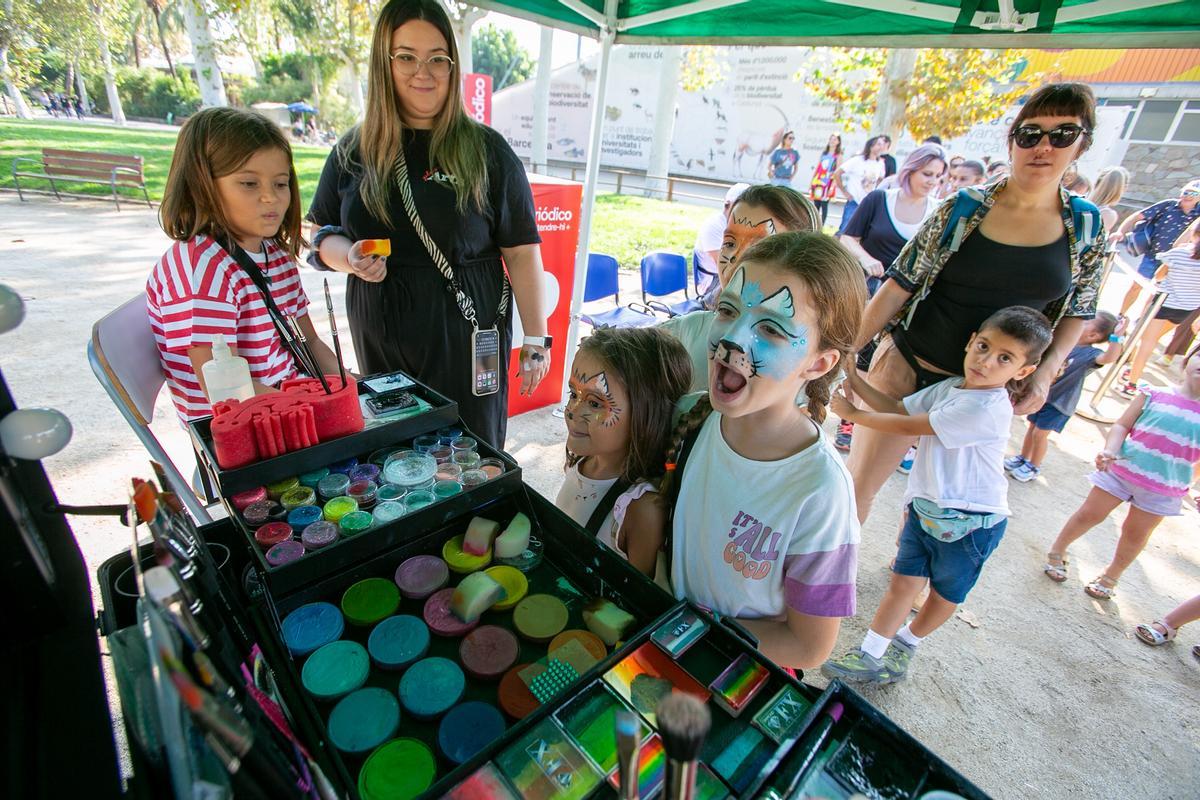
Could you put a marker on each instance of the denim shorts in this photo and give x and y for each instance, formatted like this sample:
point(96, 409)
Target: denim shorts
point(1049, 418)
point(1147, 267)
point(952, 567)
point(1160, 505)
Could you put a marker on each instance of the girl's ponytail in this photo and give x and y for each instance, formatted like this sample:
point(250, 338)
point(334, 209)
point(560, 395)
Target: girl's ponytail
point(818, 391)
point(690, 421)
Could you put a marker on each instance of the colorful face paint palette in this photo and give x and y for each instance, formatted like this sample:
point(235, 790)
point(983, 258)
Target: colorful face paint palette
point(370, 600)
point(739, 683)
point(646, 676)
point(336, 669)
point(431, 687)
point(468, 728)
point(545, 765)
point(781, 717)
point(708, 786)
point(515, 585)
point(421, 576)
point(485, 783)
point(743, 759)
point(441, 620)
point(488, 652)
point(363, 720)
point(540, 617)
point(652, 767)
point(590, 720)
point(398, 641)
point(680, 632)
point(312, 626)
point(399, 768)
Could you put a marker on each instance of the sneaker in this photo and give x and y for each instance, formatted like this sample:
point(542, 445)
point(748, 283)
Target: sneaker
point(907, 462)
point(1129, 389)
point(896, 659)
point(858, 666)
point(844, 432)
point(1026, 472)
point(1012, 462)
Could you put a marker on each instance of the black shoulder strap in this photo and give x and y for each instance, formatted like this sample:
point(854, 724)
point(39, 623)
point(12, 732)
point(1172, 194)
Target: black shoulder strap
point(681, 457)
point(606, 505)
point(263, 284)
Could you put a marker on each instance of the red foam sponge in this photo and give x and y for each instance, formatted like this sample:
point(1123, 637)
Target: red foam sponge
point(298, 416)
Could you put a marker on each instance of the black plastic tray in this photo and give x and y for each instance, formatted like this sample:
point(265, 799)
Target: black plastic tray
point(442, 413)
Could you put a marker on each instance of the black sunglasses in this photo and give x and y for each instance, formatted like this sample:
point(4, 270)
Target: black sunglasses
point(1064, 135)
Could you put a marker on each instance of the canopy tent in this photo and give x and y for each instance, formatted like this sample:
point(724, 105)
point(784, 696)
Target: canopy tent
point(888, 23)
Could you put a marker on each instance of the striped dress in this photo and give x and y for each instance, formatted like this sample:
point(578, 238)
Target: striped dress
point(1164, 443)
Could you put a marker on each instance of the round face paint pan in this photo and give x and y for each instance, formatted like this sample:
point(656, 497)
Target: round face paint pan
point(312, 626)
point(370, 600)
point(540, 617)
point(363, 720)
point(468, 728)
point(421, 576)
point(441, 620)
point(488, 652)
point(398, 641)
point(431, 687)
point(401, 768)
point(335, 670)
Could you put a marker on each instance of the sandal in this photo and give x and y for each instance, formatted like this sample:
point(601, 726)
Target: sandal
point(1152, 636)
point(1055, 572)
point(1102, 588)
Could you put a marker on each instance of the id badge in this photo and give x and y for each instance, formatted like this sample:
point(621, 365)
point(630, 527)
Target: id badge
point(485, 358)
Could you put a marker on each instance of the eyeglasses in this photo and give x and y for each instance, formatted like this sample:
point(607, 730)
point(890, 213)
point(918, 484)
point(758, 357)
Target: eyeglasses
point(1190, 193)
point(408, 65)
point(1028, 136)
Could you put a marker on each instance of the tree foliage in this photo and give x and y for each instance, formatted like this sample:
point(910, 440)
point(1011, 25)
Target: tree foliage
point(948, 92)
point(701, 68)
point(497, 53)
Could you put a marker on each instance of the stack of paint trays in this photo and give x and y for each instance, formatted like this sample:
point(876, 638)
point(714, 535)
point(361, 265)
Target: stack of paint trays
point(409, 690)
point(309, 512)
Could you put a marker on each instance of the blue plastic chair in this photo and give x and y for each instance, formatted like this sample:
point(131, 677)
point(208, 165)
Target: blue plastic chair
point(601, 282)
point(665, 274)
point(697, 273)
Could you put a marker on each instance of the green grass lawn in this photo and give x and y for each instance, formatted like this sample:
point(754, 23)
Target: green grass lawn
point(628, 227)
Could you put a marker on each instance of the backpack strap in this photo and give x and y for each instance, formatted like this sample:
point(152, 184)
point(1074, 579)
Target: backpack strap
point(966, 202)
point(600, 512)
point(681, 457)
point(1086, 218)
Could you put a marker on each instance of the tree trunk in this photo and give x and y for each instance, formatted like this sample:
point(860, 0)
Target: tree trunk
point(110, 76)
point(84, 102)
point(68, 80)
point(204, 54)
point(356, 93)
point(541, 101)
point(22, 108)
point(664, 123)
point(893, 93)
point(162, 40)
point(136, 45)
point(314, 76)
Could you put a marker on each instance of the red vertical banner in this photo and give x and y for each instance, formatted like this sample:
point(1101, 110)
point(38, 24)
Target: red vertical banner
point(557, 204)
point(477, 96)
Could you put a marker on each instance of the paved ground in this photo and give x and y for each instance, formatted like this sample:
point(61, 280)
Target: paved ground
point(1038, 692)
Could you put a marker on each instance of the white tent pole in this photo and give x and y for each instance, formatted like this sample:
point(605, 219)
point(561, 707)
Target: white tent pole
point(541, 100)
point(608, 32)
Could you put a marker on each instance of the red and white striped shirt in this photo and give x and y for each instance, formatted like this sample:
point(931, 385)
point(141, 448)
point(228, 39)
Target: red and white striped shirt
point(197, 290)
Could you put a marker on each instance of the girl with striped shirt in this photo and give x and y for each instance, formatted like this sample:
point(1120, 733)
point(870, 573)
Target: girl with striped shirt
point(1149, 460)
point(232, 206)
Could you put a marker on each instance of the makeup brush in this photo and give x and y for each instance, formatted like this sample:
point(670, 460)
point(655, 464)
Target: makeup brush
point(683, 722)
point(629, 743)
point(310, 362)
point(787, 780)
point(337, 346)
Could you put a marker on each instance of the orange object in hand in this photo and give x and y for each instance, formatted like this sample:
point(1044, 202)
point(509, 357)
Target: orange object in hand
point(377, 247)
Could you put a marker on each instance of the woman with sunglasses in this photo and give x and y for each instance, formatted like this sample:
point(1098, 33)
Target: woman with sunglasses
point(417, 159)
point(1018, 246)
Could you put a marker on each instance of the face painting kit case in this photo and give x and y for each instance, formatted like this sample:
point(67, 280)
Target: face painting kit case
point(481, 645)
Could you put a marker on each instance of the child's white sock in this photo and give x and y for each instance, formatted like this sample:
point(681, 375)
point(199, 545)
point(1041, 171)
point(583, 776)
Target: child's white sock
point(875, 645)
point(906, 635)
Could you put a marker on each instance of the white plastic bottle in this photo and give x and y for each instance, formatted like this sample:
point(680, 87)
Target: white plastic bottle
point(227, 376)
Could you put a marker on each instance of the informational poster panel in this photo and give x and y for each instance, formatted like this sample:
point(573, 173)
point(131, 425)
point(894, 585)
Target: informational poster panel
point(477, 96)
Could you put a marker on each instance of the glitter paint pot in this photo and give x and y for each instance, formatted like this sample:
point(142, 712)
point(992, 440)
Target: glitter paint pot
point(472, 478)
point(366, 472)
point(321, 533)
point(299, 496)
point(333, 485)
point(388, 511)
point(363, 493)
point(258, 514)
point(356, 522)
point(339, 507)
point(300, 518)
point(388, 492)
point(444, 489)
point(313, 478)
point(464, 443)
point(278, 489)
point(423, 444)
point(467, 459)
point(442, 453)
point(448, 435)
point(415, 501)
point(492, 467)
point(448, 472)
point(243, 499)
point(409, 469)
point(344, 467)
point(272, 533)
point(285, 553)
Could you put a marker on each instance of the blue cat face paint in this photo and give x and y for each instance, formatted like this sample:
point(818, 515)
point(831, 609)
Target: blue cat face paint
point(756, 335)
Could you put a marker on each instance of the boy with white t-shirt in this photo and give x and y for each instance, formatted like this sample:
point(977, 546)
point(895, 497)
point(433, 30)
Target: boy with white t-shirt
point(957, 497)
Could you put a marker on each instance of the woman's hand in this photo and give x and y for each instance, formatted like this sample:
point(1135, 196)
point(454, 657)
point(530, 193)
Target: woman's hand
point(535, 364)
point(872, 266)
point(371, 269)
point(1031, 394)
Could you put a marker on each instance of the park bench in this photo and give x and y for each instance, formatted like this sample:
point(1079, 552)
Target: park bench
point(77, 166)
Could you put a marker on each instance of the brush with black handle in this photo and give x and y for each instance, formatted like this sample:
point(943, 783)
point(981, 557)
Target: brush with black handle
point(787, 780)
point(683, 722)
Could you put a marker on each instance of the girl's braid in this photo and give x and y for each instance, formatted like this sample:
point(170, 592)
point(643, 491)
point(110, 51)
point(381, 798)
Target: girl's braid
point(690, 421)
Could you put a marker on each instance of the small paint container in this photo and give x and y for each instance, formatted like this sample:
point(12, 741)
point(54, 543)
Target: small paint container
point(472, 478)
point(399, 768)
point(380, 456)
point(420, 576)
point(448, 435)
point(460, 560)
point(278, 489)
point(442, 453)
point(313, 478)
point(515, 585)
point(415, 501)
point(467, 459)
point(441, 620)
point(258, 514)
point(363, 720)
point(409, 469)
point(492, 467)
point(514, 695)
point(339, 507)
point(488, 652)
point(344, 467)
point(423, 444)
point(272, 533)
point(333, 485)
point(528, 559)
point(285, 553)
point(366, 472)
point(388, 492)
point(469, 728)
point(370, 600)
point(321, 533)
point(312, 626)
point(335, 670)
point(444, 489)
point(464, 443)
point(363, 493)
point(356, 522)
point(398, 641)
point(388, 511)
point(431, 687)
point(300, 496)
point(448, 472)
point(243, 499)
point(539, 617)
point(300, 518)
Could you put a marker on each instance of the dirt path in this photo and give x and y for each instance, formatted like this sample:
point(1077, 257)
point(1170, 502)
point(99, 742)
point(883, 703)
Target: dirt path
point(1045, 693)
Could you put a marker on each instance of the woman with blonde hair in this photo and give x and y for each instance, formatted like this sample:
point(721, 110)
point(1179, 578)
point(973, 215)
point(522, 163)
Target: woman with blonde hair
point(452, 198)
point(1110, 186)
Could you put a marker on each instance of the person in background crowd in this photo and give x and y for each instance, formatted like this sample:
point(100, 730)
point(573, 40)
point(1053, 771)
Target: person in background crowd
point(78, 105)
point(997, 169)
point(1110, 185)
point(1081, 185)
point(932, 140)
point(966, 173)
point(860, 175)
point(782, 166)
point(823, 188)
point(1165, 221)
point(889, 161)
point(708, 239)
